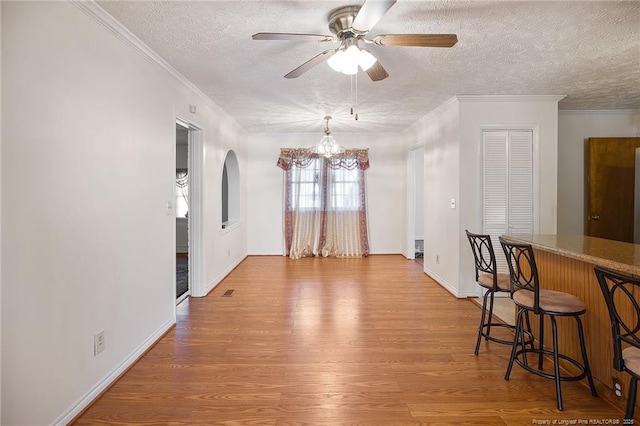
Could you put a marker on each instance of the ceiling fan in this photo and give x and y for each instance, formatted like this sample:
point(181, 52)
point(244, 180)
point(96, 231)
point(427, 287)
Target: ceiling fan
point(350, 25)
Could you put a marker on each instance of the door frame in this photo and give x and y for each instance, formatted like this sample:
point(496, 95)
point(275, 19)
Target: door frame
point(410, 248)
point(195, 219)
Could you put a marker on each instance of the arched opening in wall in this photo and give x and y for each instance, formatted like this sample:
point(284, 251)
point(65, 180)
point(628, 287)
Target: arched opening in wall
point(230, 190)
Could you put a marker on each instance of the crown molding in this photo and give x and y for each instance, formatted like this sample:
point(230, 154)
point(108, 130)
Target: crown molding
point(510, 98)
point(598, 111)
point(437, 109)
point(92, 9)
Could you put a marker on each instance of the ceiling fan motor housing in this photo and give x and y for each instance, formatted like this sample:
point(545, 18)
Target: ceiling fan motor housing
point(341, 21)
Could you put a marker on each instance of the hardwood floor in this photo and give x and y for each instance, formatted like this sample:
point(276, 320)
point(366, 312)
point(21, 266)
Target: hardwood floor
point(315, 341)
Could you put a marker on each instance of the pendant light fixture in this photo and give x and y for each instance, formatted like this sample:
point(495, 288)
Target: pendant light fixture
point(327, 146)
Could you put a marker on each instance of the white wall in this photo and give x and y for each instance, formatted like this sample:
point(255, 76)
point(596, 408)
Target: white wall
point(574, 128)
point(439, 132)
point(88, 142)
point(505, 112)
point(385, 185)
point(452, 136)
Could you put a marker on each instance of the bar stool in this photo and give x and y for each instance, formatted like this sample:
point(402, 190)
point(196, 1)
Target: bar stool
point(493, 282)
point(621, 294)
point(529, 297)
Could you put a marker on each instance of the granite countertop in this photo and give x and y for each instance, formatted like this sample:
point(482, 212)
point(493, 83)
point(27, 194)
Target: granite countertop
point(615, 255)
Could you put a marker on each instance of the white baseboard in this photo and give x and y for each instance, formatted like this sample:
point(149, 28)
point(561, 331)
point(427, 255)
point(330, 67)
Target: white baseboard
point(77, 407)
point(447, 286)
point(451, 289)
point(210, 286)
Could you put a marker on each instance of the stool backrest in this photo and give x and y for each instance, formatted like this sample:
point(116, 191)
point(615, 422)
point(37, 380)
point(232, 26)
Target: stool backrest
point(483, 255)
point(523, 271)
point(621, 292)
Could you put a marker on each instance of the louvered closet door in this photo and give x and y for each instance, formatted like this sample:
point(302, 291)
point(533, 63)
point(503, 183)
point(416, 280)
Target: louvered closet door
point(507, 186)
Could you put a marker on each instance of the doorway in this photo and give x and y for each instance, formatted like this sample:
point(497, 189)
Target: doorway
point(610, 188)
point(182, 212)
point(415, 205)
point(189, 157)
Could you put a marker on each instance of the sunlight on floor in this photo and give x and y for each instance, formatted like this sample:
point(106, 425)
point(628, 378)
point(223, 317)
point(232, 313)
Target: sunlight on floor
point(504, 308)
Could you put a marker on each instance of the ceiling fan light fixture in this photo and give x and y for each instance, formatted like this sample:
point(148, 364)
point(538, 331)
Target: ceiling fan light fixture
point(366, 60)
point(352, 54)
point(350, 68)
point(349, 57)
point(336, 62)
point(350, 26)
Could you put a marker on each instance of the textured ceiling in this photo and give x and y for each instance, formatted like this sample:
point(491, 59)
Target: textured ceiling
point(586, 50)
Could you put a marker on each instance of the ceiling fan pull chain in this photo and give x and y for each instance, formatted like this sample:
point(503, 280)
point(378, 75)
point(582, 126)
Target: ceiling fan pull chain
point(356, 96)
point(351, 93)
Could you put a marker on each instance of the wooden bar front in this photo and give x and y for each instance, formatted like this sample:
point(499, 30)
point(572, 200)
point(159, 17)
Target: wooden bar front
point(565, 263)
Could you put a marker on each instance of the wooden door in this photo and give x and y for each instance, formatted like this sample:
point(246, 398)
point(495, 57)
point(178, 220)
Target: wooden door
point(610, 188)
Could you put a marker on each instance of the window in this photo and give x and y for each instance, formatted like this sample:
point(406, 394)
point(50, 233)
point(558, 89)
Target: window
point(345, 191)
point(325, 203)
point(341, 187)
point(305, 186)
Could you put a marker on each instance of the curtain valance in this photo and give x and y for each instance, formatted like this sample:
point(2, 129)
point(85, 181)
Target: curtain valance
point(302, 157)
point(182, 178)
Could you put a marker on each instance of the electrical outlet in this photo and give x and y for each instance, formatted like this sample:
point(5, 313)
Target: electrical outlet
point(98, 342)
point(228, 252)
point(438, 259)
point(617, 387)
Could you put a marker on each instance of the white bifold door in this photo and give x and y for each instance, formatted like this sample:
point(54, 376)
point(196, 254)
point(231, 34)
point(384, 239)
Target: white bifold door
point(507, 179)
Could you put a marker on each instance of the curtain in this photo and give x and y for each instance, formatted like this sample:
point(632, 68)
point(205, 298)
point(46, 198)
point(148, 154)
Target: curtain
point(302, 213)
point(325, 203)
point(182, 190)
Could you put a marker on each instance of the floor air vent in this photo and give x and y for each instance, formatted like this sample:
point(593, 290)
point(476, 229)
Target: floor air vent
point(228, 293)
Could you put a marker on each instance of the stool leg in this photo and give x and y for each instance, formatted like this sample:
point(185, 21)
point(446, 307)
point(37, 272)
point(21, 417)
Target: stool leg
point(556, 361)
point(585, 361)
point(521, 312)
point(529, 329)
point(490, 317)
point(541, 340)
point(481, 328)
point(631, 402)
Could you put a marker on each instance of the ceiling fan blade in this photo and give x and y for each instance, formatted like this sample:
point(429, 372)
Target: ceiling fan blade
point(311, 63)
point(370, 13)
point(418, 40)
point(376, 72)
point(292, 36)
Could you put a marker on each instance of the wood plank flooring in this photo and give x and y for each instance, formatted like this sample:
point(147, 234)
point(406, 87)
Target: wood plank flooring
point(315, 341)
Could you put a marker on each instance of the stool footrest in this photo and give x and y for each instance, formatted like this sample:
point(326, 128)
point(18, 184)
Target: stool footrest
point(528, 340)
point(519, 359)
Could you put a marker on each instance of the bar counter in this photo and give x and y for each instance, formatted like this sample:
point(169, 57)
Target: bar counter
point(614, 255)
point(565, 263)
